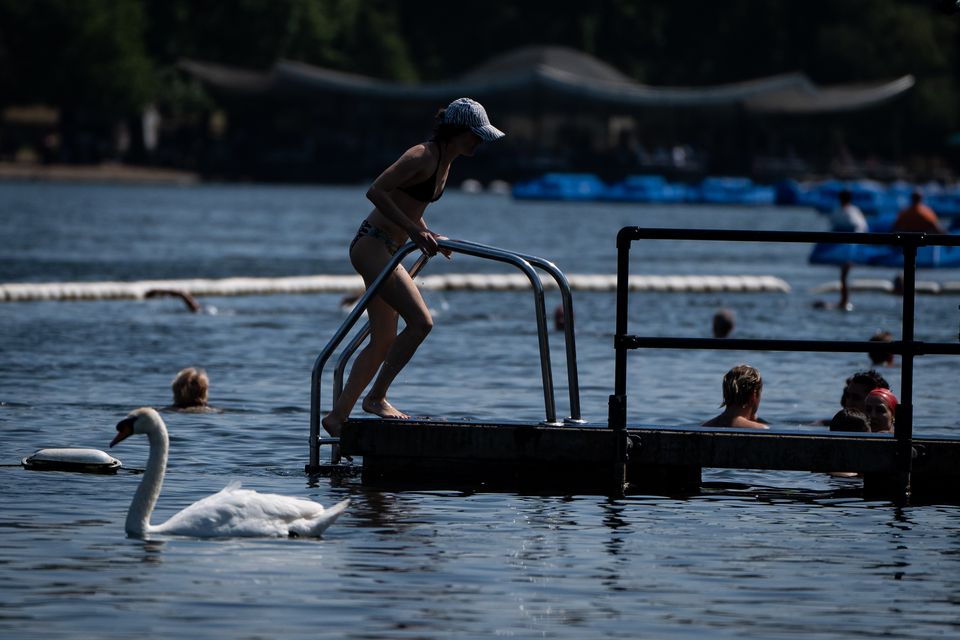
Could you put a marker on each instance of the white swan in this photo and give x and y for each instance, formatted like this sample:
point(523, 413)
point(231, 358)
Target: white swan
point(231, 512)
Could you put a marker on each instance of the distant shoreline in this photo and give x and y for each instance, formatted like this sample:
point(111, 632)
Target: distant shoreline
point(99, 173)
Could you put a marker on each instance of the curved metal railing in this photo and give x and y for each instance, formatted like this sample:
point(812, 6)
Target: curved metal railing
point(523, 263)
point(573, 384)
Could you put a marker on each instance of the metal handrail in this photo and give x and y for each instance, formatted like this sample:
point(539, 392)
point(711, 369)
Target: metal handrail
point(907, 347)
point(573, 384)
point(361, 305)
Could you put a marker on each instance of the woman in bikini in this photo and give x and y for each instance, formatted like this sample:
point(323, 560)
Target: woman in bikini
point(400, 195)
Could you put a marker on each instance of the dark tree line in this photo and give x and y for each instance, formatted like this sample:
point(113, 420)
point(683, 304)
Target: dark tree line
point(116, 57)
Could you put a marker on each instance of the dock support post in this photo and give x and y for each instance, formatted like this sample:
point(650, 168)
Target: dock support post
point(617, 420)
point(617, 404)
point(903, 421)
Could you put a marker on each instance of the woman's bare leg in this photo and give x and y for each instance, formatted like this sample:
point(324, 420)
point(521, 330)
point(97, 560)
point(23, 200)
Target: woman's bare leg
point(401, 294)
point(383, 331)
point(397, 294)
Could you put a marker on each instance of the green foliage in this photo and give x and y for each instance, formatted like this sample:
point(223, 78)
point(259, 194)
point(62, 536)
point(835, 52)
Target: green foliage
point(76, 52)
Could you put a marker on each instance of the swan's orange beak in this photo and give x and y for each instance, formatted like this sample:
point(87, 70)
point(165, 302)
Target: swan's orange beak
point(124, 430)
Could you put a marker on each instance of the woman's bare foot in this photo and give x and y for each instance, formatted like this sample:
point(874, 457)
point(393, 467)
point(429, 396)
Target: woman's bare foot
point(333, 426)
point(383, 409)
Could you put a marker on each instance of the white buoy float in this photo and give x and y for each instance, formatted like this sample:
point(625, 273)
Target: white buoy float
point(25, 291)
point(70, 459)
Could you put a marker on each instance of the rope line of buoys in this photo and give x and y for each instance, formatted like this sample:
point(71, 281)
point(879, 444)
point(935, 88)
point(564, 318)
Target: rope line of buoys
point(889, 286)
point(113, 290)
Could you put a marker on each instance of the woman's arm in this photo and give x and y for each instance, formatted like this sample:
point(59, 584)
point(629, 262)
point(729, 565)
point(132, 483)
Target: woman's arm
point(414, 163)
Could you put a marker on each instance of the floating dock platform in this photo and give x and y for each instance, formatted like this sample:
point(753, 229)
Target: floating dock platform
point(585, 459)
point(573, 456)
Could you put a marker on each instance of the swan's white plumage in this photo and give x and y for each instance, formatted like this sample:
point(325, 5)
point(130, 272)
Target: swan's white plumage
point(233, 511)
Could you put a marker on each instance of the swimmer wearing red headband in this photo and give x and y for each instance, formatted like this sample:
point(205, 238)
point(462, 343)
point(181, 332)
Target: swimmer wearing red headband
point(881, 408)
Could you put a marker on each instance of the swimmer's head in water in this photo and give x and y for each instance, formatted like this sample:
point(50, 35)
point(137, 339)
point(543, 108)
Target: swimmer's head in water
point(886, 396)
point(190, 388)
point(858, 386)
point(740, 385)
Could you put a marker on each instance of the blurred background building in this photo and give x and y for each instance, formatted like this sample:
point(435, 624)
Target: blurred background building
point(564, 110)
point(332, 90)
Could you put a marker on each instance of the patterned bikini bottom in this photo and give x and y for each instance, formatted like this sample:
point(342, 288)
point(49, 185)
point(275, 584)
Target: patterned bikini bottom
point(367, 229)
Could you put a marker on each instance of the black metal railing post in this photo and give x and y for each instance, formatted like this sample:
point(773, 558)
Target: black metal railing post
point(903, 421)
point(617, 403)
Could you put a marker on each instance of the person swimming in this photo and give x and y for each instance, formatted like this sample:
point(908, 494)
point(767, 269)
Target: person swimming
point(849, 420)
point(191, 388)
point(880, 357)
point(852, 420)
point(881, 408)
point(742, 387)
point(724, 321)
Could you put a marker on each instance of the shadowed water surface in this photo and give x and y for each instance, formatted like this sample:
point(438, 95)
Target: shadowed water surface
point(771, 555)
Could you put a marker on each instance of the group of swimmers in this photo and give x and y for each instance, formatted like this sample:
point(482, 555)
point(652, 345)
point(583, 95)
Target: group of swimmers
point(868, 404)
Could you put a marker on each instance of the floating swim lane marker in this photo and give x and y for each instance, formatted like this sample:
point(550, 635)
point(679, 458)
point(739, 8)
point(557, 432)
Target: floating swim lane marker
point(24, 291)
point(68, 459)
point(886, 286)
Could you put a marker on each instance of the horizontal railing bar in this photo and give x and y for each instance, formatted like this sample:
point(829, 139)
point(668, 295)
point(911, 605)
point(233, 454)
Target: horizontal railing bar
point(629, 234)
point(824, 346)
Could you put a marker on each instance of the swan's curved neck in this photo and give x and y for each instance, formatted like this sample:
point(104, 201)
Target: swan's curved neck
point(138, 516)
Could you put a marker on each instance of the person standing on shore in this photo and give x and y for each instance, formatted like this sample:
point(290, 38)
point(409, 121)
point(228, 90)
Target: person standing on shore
point(399, 196)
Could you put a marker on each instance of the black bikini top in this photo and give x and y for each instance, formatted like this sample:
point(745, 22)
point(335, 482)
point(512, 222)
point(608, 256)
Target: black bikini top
point(423, 191)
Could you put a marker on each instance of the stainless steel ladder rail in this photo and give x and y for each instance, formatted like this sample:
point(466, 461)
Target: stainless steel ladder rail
point(573, 384)
point(354, 315)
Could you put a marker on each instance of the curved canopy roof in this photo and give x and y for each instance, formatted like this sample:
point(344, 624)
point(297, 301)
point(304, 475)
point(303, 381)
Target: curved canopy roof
point(569, 75)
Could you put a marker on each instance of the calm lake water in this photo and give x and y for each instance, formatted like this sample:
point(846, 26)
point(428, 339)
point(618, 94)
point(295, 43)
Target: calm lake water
point(785, 555)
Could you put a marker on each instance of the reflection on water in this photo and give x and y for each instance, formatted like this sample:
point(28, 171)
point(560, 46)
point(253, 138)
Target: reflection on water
point(761, 554)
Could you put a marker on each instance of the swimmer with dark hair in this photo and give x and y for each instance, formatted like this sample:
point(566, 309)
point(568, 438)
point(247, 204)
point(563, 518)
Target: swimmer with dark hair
point(852, 420)
point(849, 420)
point(858, 386)
point(723, 323)
point(879, 356)
point(188, 299)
